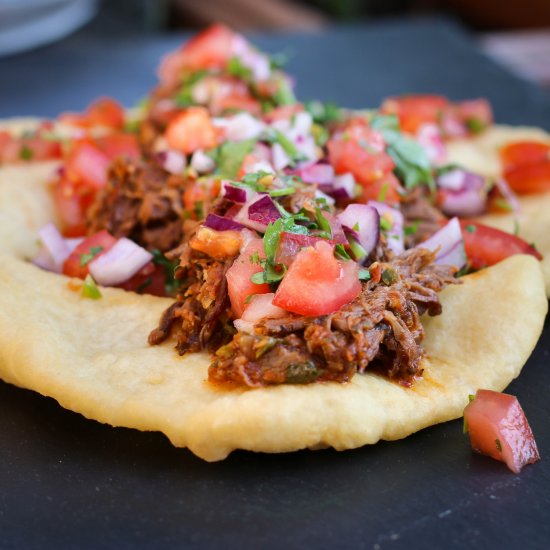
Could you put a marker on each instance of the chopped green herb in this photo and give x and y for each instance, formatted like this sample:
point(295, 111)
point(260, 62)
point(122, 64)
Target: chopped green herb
point(322, 222)
point(499, 445)
point(471, 228)
point(516, 227)
point(384, 122)
point(471, 397)
point(198, 209)
point(359, 253)
point(236, 68)
point(26, 153)
point(249, 298)
point(389, 277)
point(282, 192)
point(340, 252)
point(412, 229)
point(324, 112)
point(302, 373)
point(255, 258)
point(258, 278)
point(89, 288)
point(144, 285)
point(284, 94)
point(320, 134)
point(229, 157)
point(288, 147)
point(383, 192)
point(264, 345)
point(364, 274)
point(385, 224)
point(85, 259)
point(475, 125)
point(184, 98)
point(171, 284)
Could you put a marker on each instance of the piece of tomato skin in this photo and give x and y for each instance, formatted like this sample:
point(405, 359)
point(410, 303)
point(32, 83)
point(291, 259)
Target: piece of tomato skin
point(499, 428)
point(486, 246)
point(521, 153)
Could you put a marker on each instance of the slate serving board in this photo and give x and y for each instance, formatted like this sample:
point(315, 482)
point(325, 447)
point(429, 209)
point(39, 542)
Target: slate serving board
point(69, 482)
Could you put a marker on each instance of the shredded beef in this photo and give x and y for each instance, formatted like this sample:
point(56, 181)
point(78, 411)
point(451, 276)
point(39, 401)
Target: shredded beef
point(140, 201)
point(201, 318)
point(421, 215)
point(381, 330)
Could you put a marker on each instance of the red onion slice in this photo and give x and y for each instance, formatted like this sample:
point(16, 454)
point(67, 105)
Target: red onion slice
point(258, 213)
point(320, 173)
point(508, 195)
point(364, 221)
point(395, 238)
point(55, 249)
point(448, 243)
point(463, 193)
point(236, 193)
point(430, 138)
point(172, 161)
point(344, 186)
point(219, 223)
point(119, 263)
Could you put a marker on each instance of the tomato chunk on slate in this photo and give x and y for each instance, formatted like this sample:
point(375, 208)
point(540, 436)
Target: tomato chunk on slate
point(316, 283)
point(498, 428)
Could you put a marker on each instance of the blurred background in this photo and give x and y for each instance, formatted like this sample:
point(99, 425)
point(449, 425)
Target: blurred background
point(514, 32)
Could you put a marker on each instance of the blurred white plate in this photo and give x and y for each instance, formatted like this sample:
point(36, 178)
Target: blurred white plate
point(27, 24)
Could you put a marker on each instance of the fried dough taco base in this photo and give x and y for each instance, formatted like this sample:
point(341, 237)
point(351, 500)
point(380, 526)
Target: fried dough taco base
point(93, 357)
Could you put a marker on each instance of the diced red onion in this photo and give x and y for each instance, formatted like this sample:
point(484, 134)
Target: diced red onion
point(256, 61)
point(54, 249)
point(464, 193)
point(236, 193)
point(449, 244)
point(258, 213)
point(364, 221)
point(338, 235)
point(320, 173)
point(280, 159)
point(219, 223)
point(120, 263)
point(395, 238)
point(452, 127)
point(344, 183)
point(261, 307)
point(507, 194)
point(430, 138)
point(172, 161)
point(201, 162)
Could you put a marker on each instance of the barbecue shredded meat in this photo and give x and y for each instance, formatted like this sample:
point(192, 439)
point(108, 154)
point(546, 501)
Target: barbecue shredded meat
point(381, 329)
point(143, 202)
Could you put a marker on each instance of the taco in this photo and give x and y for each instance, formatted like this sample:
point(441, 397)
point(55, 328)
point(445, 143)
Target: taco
point(293, 270)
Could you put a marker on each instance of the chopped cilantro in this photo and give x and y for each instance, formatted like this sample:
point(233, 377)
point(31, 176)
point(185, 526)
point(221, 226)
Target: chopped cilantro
point(288, 147)
point(475, 125)
point(198, 210)
point(364, 274)
point(254, 258)
point(236, 68)
point(324, 112)
point(412, 229)
point(340, 253)
point(412, 165)
point(171, 284)
point(383, 192)
point(26, 153)
point(85, 259)
point(471, 397)
point(384, 122)
point(385, 224)
point(89, 288)
point(229, 157)
point(499, 445)
point(357, 250)
point(249, 298)
point(284, 94)
point(471, 228)
point(322, 222)
point(184, 98)
point(258, 278)
point(144, 285)
point(282, 192)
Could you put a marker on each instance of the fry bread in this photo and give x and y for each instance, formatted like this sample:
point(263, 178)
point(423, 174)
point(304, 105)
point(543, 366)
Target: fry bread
point(92, 356)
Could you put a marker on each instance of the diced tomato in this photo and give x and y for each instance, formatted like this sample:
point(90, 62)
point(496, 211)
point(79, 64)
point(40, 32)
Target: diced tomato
point(71, 203)
point(72, 266)
point(360, 150)
point(415, 110)
point(499, 429)
point(316, 283)
point(487, 246)
point(388, 188)
point(239, 285)
point(192, 129)
point(235, 101)
point(149, 280)
point(475, 114)
point(87, 164)
point(530, 178)
point(210, 49)
point(290, 244)
point(104, 111)
point(522, 153)
point(119, 145)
